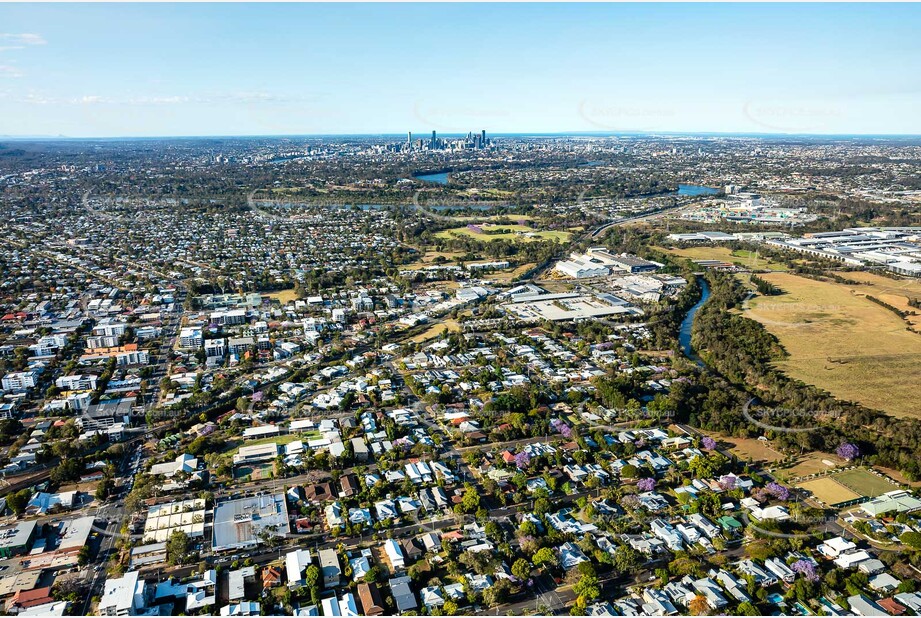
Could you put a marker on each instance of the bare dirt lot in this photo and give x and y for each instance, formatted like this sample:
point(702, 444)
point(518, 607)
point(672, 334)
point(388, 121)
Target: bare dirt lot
point(750, 449)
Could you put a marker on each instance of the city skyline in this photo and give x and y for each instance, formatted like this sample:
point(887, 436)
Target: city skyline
point(184, 70)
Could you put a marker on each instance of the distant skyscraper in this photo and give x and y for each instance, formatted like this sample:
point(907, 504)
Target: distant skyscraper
point(483, 139)
point(434, 140)
point(409, 139)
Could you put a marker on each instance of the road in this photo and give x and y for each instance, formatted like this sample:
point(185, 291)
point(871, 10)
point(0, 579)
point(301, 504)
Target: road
point(651, 215)
point(113, 516)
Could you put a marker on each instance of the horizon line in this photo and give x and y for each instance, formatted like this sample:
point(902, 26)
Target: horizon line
point(625, 133)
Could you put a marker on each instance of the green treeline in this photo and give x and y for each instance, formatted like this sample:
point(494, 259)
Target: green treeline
point(742, 353)
point(886, 305)
point(766, 288)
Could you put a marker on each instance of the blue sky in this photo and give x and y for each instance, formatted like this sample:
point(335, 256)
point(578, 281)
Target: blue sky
point(258, 69)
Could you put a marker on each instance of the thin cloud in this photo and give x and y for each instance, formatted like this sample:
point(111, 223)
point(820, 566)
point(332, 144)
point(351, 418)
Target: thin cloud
point(210, 99)
point(36, 99)
point(95, 99)
point(157, 100)
point(25, 38)
point(90, 100)
point(7, 70)
point(31, 98)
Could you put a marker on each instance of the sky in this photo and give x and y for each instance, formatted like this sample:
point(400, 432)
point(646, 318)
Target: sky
point(107, 70)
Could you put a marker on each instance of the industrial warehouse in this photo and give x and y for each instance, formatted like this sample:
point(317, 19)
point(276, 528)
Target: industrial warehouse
point(898, 249)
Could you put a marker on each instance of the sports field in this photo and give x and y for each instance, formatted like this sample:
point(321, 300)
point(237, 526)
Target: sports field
point(865, 483)
point(254, 472)
point(284, 297)
point(842, 342)
point(829, 491)
point(847, 486)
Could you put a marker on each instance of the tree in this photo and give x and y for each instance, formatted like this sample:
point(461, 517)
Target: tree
point(542, 506)
point(704, 467)
point(67, 470)
point(544, 556)
point(698, 606)
point(521, 569)
point(312, 576)
point(912, 539)
point(10, 429)
point(83, 556)
point(528, 528)
point(587, 587)
point(417, 570)
point(747, 609)
point(848, 451)
point(177, 546)
point(68, 590)
point(481, 562)
point(497, 593)
point(18, 501)
point(372, 575)
point(471, 500)
point(626, 559)
point(105, 488)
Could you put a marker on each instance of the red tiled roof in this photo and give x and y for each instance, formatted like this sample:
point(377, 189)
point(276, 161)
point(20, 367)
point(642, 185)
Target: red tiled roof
point(893, 607)
point(31, 598)
point(270, 576)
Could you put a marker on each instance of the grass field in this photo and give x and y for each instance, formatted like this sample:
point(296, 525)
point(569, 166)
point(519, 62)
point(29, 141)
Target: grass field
point(829, 491)
point(842, 342)
point(523, 233)
point(509, 216)
point(893, 291)
point(506, 276)
point(284, 297)
point(808, 464)
point(747, 259)
point(428, 259)
point(436, 330)
point(556, 286)
point(863, 482)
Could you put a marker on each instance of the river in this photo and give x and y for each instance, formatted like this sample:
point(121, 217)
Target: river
point(684, 333)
